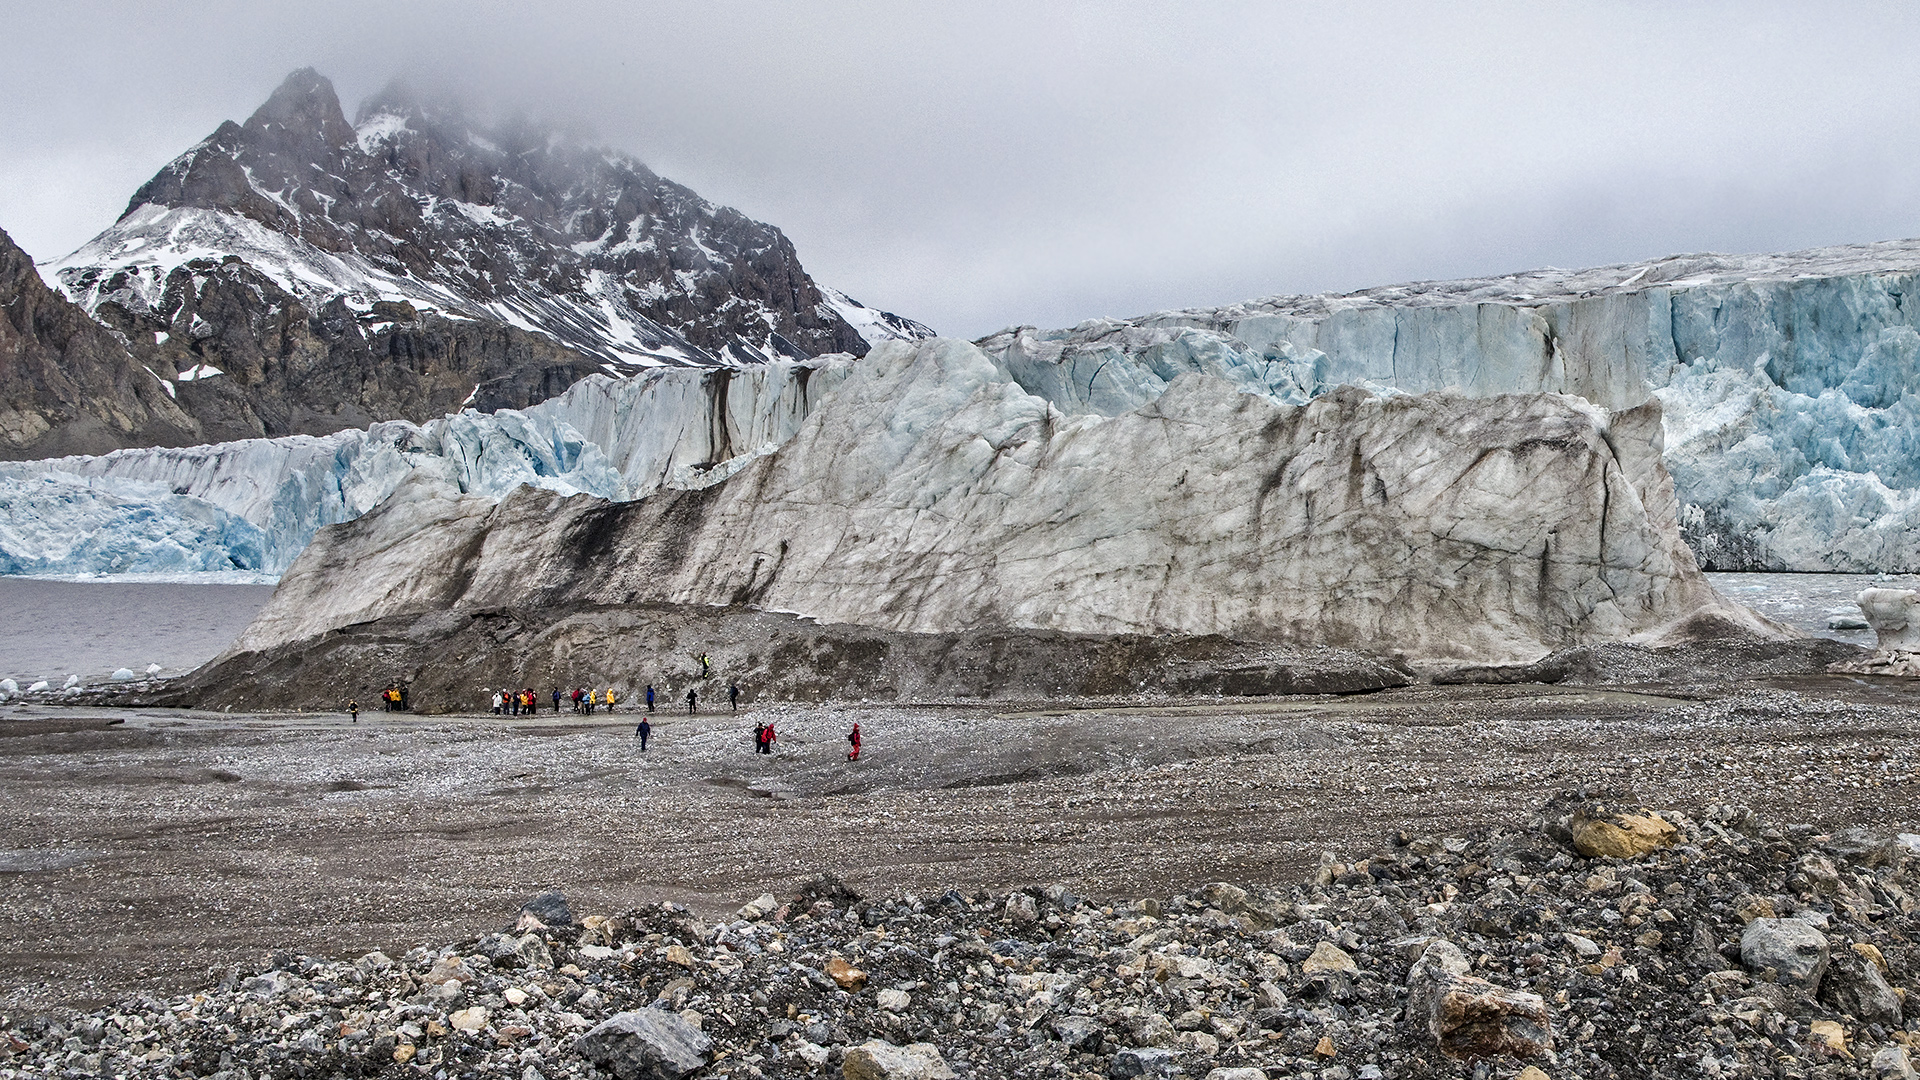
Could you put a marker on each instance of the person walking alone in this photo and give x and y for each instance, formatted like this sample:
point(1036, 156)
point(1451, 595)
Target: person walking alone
point(649, 697)
point(692, 699)
point(854, 738)
point(556, 700)
point(645, 730)
point(733, 695)
point(353, 709)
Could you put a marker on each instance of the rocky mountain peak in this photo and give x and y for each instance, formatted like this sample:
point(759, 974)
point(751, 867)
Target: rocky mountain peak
point(297, 249)
point(307, 110)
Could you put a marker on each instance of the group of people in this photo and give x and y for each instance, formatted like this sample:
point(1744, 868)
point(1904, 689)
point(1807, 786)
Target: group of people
point(524, 702)
point(392, 699)
point(763, 739)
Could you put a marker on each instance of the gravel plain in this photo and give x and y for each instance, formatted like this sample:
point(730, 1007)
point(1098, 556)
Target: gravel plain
point(149, 850)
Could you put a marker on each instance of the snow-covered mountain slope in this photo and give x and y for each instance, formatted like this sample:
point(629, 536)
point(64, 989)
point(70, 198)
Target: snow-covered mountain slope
point(930, 492)
point(298, 242)
point(1788, 382)
point(252, 505)
point(67, 384)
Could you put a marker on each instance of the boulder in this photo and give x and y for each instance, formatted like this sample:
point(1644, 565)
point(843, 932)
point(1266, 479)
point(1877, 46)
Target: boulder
point(1470, 1018)
point(1327, 958)
point(1604, 831)
point(1862, 846)
point(877, 1059)
point(844, 975)
point(1892, 1063)
point(1853, 985)
point(1796, 951)
point(1830, 1034)
point(1078, 1032)
point(647, 1044)
point(550, 908)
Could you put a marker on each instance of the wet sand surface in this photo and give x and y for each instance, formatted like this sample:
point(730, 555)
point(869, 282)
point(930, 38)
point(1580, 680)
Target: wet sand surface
point(141, 849)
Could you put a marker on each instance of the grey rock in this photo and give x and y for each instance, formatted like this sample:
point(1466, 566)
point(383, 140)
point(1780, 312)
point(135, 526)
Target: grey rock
point(1854, 986)
point(1862, 846)
point(1150, 1062)
point(1582, 946)
point(1078, 1032)
point(1792, 948)
point(1892, 1063)
point(550, 908)
point(646, 1044)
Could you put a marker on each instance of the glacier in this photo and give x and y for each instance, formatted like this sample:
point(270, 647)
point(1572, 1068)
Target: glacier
point(929, 493)
point(1786, 385)
point(253, 505)
point(1787, 382)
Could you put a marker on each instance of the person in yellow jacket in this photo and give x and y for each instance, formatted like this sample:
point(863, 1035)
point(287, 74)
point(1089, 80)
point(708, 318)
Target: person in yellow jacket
point(593, 698)
point(609, 699)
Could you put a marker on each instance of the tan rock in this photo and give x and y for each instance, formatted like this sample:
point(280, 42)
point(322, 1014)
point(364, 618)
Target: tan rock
point(449, 967)
point(1325, 1047)
point(1602, 831)
point(403, 1053)
point(1831, 1034)
point(1328, 957)
point(469, 1019)
point(1872, 952)
point(1532, 1072)
point(679, 954)
point(1750, 907)
point(847, 976)
point(877, 1059)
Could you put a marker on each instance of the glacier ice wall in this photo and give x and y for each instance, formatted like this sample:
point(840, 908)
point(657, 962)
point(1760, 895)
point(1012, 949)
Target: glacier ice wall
point(1788, 383)
point(253, 505)
point(931, 493)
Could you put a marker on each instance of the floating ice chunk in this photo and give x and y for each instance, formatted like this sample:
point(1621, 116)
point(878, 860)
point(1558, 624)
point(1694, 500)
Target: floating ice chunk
point(153, 669)
point(9, 686)
point(39, 686)
point(123, 675)
point(72, 681)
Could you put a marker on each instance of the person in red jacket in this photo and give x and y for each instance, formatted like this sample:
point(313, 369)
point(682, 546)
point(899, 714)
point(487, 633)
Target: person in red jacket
point(854, 738)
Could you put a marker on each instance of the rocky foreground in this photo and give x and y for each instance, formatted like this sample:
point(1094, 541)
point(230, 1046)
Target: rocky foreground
point(1596, 941)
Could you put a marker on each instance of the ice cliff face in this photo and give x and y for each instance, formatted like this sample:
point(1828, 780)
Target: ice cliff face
point(252, 505)
point(301, 274)
point(931, 492)
point(1788, 382)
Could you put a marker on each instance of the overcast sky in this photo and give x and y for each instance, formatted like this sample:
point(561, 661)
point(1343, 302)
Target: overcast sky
point(982, 165)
